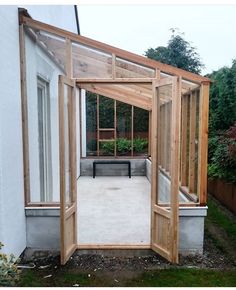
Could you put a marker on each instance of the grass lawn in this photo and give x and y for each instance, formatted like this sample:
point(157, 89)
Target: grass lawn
point(158, 278)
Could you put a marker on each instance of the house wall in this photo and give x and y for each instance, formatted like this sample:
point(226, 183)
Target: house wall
point(12, 216)
point(12, 213)
point(38, 64)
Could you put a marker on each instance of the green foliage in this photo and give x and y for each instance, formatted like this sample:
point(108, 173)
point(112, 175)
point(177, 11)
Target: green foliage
point(178, 53)
point(216, 216)
point(183, 277)
point(123, 145)
point(107, 148)
point(9, 274)
point(222, 126)
point(222, 99)
point(140, 145)
point(222, 156)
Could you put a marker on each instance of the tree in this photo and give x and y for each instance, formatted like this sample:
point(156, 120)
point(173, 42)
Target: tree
point(222, 124)
point(178, 53)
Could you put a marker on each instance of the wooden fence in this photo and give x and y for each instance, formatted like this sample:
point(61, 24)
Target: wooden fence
point(224, 192)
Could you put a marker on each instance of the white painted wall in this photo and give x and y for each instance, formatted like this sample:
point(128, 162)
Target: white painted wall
point(12, 215)
point(38, 64)
point(62, 16)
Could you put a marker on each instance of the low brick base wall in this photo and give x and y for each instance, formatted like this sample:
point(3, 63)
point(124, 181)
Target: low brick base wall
point(224, 192)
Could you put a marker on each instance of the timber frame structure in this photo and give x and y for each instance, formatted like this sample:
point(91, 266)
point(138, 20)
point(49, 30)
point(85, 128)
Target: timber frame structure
point(177, 102)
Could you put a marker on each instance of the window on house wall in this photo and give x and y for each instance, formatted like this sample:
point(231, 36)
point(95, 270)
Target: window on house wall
point(44, 140)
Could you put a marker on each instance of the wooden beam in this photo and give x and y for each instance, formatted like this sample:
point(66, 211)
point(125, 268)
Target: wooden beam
point(184, 126)
point(110, 49)
point(119, 96)
point(132, 130)
point(149, 132)
point(113, 66)
point(155, 162)
point(114, 81)
point(175, 155)
point(62, 165)
point(115, 132)
point(24, 112)
point(203, 142)
point(69, 73)
point(98, 127)
point(192, 136)
point(112, 246)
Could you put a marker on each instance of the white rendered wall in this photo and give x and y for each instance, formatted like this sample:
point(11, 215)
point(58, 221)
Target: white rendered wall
point(12, 215)
point(62, 16)
point(38, 64)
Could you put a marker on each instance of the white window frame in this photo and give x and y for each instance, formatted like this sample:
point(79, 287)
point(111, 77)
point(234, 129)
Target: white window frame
point(44, 140)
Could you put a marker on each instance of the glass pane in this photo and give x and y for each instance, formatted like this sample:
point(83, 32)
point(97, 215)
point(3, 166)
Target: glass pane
point(189, 144)
point(106, 112)
point(90, 63)
point(68, 192)
point(44, 62)
point(54, 46)
point(164, 143)
point(141, 121)
point(107, 148)
point(127, 69)
point(124, 119)
point(91, 124)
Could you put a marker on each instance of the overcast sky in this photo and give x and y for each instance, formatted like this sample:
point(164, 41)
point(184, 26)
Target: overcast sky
point(210, 28)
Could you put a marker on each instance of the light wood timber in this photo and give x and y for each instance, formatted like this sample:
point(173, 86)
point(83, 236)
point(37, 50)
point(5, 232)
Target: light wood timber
point(24, 114)
point(192, 136)
point(203, 142)
point(109, 49)
point(184, 122)
point(111, 246)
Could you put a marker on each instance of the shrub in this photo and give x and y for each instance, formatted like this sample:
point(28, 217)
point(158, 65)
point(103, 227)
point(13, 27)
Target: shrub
point(9, 274)
point(107, 147)
point(222, 156)
point(123, 145)
point(140, 145)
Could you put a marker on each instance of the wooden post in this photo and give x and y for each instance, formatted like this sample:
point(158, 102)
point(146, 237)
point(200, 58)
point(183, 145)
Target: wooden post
point(113, 66)
point(24, 112)
point(98, 127)
point(154, 150)
point(203, 142)
point(192, 136)
point(115, 125)
point(80, 122)
point(69, 73)
point(175, 155)
point(149, 133)
point(184, 122)
point(132, 130)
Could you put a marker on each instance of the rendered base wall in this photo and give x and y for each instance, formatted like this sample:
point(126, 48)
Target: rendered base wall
point(43, 229)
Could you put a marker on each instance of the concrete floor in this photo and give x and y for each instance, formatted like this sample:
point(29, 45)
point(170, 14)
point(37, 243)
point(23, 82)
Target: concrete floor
point(114, 210)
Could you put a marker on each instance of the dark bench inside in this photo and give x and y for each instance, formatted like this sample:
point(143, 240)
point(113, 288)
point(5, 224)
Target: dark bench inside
point(111, 162)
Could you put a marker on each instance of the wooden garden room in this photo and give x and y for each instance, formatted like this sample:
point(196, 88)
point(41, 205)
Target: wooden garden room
point(103, 98)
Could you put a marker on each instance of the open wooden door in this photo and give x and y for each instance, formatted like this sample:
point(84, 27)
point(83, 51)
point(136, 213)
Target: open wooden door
point(68, 182)
point(165, 167)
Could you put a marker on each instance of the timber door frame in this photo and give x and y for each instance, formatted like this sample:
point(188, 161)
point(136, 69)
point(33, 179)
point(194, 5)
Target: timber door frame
point(68, 208)
point(165, 220)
